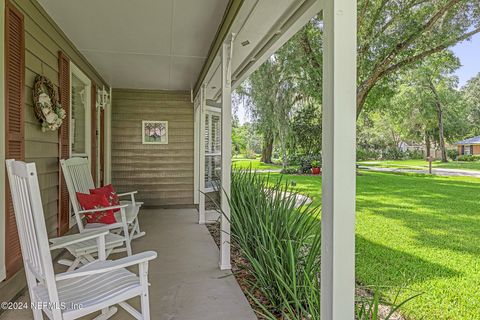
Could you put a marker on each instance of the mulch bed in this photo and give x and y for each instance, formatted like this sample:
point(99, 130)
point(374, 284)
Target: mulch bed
point(245, 278)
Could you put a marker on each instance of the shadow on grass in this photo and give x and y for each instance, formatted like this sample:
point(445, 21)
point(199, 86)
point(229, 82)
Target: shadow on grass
point(379, 265)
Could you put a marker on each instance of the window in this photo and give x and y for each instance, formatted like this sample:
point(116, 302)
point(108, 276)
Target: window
point(79, 113)
point(213, 155)
point(467, 150)
point(80, 118)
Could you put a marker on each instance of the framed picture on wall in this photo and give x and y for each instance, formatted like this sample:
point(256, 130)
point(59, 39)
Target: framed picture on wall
point(154, 132)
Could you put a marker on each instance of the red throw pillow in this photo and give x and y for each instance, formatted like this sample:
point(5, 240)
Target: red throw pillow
point(96, 201)
point(110, 193)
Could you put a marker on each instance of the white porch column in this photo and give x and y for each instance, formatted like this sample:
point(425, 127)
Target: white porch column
point(226, 153)
point(196, 149)
point(338, 183)
point(108, 141)
point(201, 158)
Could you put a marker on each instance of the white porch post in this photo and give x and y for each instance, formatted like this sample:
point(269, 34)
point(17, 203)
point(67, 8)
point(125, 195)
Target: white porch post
point(196, 149)
point(338, 183)
point(226, 153)
point(108, 140)
point(201, 158)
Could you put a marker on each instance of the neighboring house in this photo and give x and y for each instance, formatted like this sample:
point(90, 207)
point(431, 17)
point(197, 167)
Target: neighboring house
point(410, 146)
point(469, 146)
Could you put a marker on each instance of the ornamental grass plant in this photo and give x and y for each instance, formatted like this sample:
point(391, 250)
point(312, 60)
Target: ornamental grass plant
point(278, 233)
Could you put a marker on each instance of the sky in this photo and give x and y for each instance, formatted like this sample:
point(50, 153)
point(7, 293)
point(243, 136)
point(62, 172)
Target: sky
point(467, 51)
point(469, 54)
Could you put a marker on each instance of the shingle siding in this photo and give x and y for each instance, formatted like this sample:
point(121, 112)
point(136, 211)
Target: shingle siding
point(162, 174)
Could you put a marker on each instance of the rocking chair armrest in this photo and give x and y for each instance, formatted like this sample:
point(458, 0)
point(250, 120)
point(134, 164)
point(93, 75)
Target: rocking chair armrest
point(97, 267)
point(62, 242)
point(103, 209)
point(127, 193)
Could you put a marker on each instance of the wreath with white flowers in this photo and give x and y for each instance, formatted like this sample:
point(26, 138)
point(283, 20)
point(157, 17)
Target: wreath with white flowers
point(47, 108)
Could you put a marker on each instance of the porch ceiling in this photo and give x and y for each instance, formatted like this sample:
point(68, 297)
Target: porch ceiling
point(148, 44)
point(260, 28)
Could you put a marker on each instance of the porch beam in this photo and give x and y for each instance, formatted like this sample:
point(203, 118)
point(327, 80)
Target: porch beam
point(201, 158)
point(231, 12)
point(226, 152)
point(338, 181)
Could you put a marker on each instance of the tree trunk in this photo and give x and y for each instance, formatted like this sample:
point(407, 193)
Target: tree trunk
point(428, 145)
point(267, 149)
point(284, 152)
point(441, 136)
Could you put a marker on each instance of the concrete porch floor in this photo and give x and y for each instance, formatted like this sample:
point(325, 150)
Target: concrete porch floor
point(186, 283)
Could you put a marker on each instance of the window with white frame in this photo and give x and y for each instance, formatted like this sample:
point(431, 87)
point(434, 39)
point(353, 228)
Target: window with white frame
point(213, 155)
point(79, 113)
point(80, 117)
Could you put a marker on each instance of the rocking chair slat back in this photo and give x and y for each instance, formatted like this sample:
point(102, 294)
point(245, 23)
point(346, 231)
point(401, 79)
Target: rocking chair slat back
point(28, 209)
point(78, 179)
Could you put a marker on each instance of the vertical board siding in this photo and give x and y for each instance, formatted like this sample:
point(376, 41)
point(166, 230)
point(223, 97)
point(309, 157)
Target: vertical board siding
point(43, 41)
point(162, 174)
point(14, 123)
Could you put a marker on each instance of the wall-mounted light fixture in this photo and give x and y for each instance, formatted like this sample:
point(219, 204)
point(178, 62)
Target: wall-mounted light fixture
point(103, 98)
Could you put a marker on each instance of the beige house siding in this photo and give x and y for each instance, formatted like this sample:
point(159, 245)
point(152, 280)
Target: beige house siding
point(162, 174)
point(43, 41)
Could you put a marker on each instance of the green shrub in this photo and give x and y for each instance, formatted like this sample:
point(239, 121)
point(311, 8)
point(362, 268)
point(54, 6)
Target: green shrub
point(467, 157)
point(250, 154)
point(414, 154)
point(452, 154)
point(393, 154)
point(289, 170)
point(367, 154)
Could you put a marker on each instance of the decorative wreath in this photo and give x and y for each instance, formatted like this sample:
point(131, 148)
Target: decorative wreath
point(47, 108)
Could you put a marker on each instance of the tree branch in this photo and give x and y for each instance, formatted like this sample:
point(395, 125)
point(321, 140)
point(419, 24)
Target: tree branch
point(427, 53)
point(414, 35)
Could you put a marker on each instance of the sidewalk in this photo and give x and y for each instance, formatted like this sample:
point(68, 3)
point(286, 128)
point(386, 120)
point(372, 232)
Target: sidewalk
point(435, 171)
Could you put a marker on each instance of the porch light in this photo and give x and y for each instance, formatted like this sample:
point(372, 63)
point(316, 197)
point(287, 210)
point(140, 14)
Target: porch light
point(103, 98)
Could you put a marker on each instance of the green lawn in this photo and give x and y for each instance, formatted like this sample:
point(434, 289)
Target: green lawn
point(420, 232)
point(255, 164)
point(422, 164)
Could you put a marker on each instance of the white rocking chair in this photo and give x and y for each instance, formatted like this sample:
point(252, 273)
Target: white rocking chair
point(79, 179)
point(97, 286)
point(84, 250)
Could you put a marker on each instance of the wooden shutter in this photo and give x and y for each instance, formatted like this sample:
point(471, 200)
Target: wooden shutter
point(14, 122)
point(63, 142)
point(102, 147)
point(93, 153)
point(471, 149)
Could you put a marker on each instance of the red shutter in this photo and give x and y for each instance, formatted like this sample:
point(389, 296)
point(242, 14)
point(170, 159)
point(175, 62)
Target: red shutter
point(63, 142)
point(93, 153)
point(14, 122)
